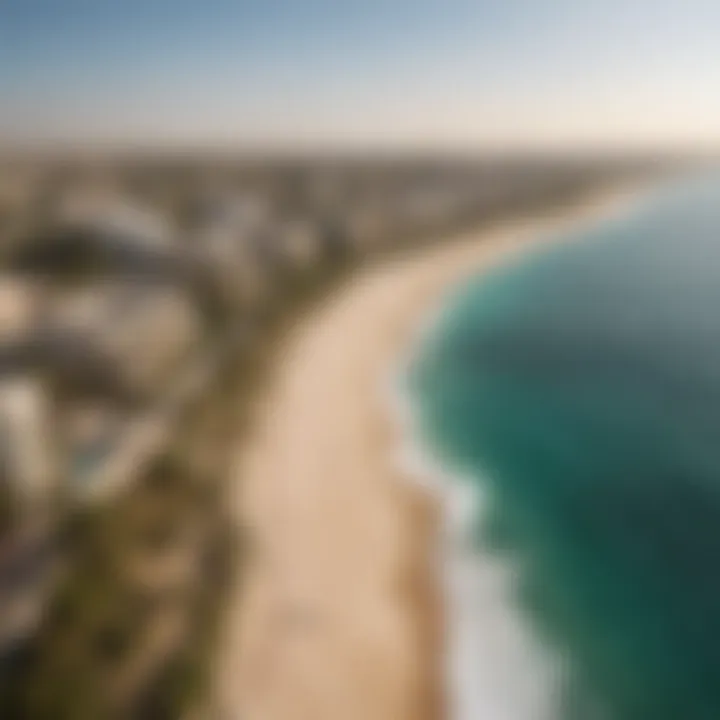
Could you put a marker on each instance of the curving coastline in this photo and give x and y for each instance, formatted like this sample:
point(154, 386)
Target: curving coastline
point(494, 666)
point(340, 609)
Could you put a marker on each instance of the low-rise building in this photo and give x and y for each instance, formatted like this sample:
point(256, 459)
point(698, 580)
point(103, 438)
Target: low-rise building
point(110, 216)
point(143, 329)
point(298, 242)
point(25, 406)
point(21, 306)
point(26, 441)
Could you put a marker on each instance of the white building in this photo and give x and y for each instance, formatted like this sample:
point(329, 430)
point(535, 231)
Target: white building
point(112, 215)
point(26, 447)
point(26, 439)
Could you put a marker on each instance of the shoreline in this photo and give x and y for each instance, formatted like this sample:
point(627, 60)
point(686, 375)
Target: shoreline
point(340, 608)
point(461, 570)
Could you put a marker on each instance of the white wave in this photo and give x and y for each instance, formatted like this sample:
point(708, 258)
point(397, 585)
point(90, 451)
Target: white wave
point(496, 669)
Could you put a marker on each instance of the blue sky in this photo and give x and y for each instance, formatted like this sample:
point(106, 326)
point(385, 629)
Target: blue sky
point(367, 72)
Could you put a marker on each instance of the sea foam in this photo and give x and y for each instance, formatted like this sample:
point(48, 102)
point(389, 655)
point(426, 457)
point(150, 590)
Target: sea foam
point(495, 668)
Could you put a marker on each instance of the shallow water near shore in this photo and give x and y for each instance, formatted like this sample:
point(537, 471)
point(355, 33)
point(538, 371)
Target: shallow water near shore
point(577, 393)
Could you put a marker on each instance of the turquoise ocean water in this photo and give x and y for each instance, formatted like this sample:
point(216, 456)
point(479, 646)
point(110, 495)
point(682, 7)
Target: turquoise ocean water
point(579, 391)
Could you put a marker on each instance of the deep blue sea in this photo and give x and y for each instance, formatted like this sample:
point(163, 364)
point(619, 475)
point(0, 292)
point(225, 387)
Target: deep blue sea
point(579, 390)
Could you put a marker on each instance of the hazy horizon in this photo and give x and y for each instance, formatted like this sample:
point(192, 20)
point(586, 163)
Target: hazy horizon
point(542, 75)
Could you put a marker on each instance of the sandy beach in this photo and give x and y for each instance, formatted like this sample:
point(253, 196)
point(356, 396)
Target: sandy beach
point(338, 613)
